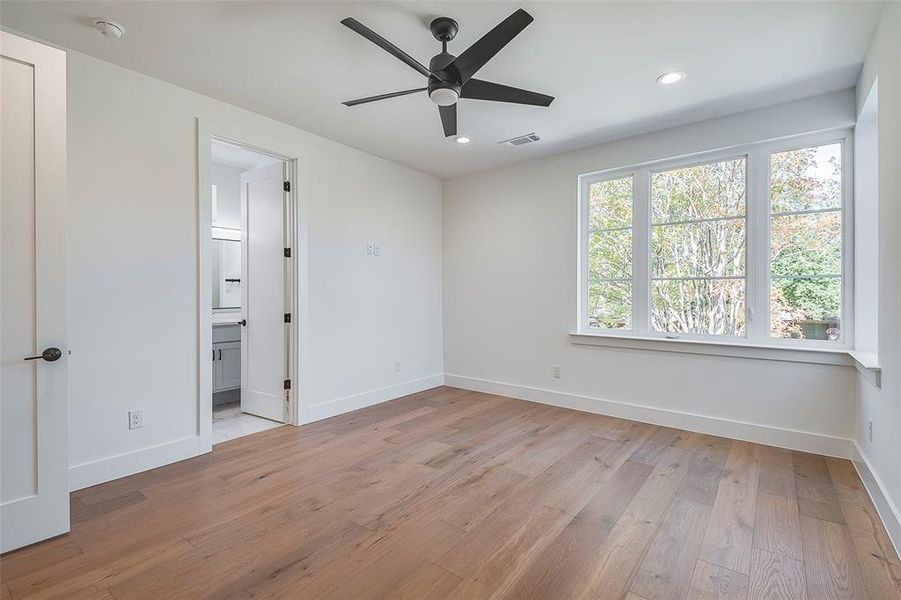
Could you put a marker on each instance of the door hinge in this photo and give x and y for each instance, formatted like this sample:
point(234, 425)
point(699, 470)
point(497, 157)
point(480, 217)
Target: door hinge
point(287, 252)
point(287, 317)
point(287, 384)
point(287, 186)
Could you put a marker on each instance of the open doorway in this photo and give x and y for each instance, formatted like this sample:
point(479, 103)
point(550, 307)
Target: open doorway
point(251, 303)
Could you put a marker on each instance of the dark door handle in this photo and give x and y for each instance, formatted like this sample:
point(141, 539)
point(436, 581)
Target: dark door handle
point(50, 355)
point(220, 355)
point(243, 322)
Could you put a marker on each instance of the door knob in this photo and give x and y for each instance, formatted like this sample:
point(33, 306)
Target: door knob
point(243, 322)
point(50, 355)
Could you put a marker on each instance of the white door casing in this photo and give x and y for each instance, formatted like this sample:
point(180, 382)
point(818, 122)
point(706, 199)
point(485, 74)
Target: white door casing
point(263, 339)
point(34, 486)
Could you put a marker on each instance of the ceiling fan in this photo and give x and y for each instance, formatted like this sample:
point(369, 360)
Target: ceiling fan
point(450, 77)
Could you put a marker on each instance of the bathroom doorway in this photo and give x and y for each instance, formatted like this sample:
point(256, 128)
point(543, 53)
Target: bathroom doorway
point(251, 300)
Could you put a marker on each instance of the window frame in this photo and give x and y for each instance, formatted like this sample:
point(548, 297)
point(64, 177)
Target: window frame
point(585, 184)
point(757, 243)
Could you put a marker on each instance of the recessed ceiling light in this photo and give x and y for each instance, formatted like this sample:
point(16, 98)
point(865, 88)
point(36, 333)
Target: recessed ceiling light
point(462, 139)
point(671, 77)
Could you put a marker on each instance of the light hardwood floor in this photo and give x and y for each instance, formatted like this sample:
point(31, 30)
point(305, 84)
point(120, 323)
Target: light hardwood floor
point(456, 494)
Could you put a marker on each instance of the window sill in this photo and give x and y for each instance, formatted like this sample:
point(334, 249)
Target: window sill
point(823, 356)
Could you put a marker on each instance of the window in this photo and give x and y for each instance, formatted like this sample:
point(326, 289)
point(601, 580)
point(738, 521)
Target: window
point(746, 246)
point(806, 243)
point(698, 249)
point(610, 253)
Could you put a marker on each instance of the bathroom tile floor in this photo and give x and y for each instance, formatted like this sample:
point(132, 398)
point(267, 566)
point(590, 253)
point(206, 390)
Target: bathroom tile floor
point(230, 423)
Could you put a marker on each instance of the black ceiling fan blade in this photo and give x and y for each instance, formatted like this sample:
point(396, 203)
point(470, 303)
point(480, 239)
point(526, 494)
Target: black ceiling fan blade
point(448, 119)
point(477, 89)
point(474, 57)
point(385, 44)
point(382, 97)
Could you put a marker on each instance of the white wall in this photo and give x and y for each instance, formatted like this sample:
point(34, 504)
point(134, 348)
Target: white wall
point(228, 195)
point(133, 322)
point(510, 251)
point(879, 460)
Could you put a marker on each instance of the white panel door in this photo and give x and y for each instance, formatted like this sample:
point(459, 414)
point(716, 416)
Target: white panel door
point(263, 338)
point(34, 485)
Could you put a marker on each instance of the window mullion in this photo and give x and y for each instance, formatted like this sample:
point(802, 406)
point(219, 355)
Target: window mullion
point(758, 247)
point(641, 268)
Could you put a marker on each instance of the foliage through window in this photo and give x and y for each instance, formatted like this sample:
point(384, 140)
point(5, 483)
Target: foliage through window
point(806, 243)
point(698, 249)
point(746, 245)
point(610, 253)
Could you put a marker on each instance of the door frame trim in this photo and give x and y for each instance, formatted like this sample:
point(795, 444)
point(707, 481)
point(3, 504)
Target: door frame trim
point(207, 131)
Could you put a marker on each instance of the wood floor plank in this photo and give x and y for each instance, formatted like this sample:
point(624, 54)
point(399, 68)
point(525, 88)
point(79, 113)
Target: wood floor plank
point(450, 493)
point(713, 582)
point(777, 473)
point(577, 473)
point(497, 575)
point(625, 546)
point(775, 576)
point(559, 570)
point(730, 530)
point(817, 497)
point(830, 565)
point(777, 526)
point(709, 460)
point(428, 582)
point(879, 568)
point(667, 568)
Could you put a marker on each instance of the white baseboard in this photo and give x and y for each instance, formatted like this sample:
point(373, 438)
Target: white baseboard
point(339, 406)
point(129, 463)
point(793, 439)
point(885, 505)
point(142, 459)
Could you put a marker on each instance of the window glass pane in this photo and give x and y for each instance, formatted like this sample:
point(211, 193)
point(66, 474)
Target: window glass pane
point(706, 249)
point(699, 192)
point(806, 179)
point(610, 204)
point(806, 247)
point(610, 304)
point(806, 244)
point(806, 308)
point(610, 254)
point(702, 306)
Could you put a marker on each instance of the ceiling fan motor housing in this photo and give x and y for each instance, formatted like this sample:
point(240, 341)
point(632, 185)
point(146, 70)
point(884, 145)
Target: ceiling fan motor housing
point(444, 89)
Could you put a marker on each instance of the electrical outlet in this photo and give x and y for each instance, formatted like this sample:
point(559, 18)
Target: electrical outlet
point(557, 372)
point(397, 366)
point(870, 430)
point(136, 419)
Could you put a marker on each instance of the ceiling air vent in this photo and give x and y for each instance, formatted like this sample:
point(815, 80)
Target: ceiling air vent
point(521, 139)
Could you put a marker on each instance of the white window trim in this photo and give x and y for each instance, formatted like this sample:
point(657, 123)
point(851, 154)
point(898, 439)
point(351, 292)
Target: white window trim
point(756, 343)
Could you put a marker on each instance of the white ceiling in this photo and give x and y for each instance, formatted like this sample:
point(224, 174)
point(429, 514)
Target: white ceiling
point(294, 62)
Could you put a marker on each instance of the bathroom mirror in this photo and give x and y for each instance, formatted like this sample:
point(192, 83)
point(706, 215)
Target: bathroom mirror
point(226, 274)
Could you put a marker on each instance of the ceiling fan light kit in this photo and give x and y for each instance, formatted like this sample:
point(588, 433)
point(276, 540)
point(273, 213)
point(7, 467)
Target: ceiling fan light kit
point(450, 77)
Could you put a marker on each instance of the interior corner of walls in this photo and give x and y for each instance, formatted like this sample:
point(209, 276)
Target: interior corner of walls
point(885, 505)
point(782, 437)
point(122, 465)
point(338, 406)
